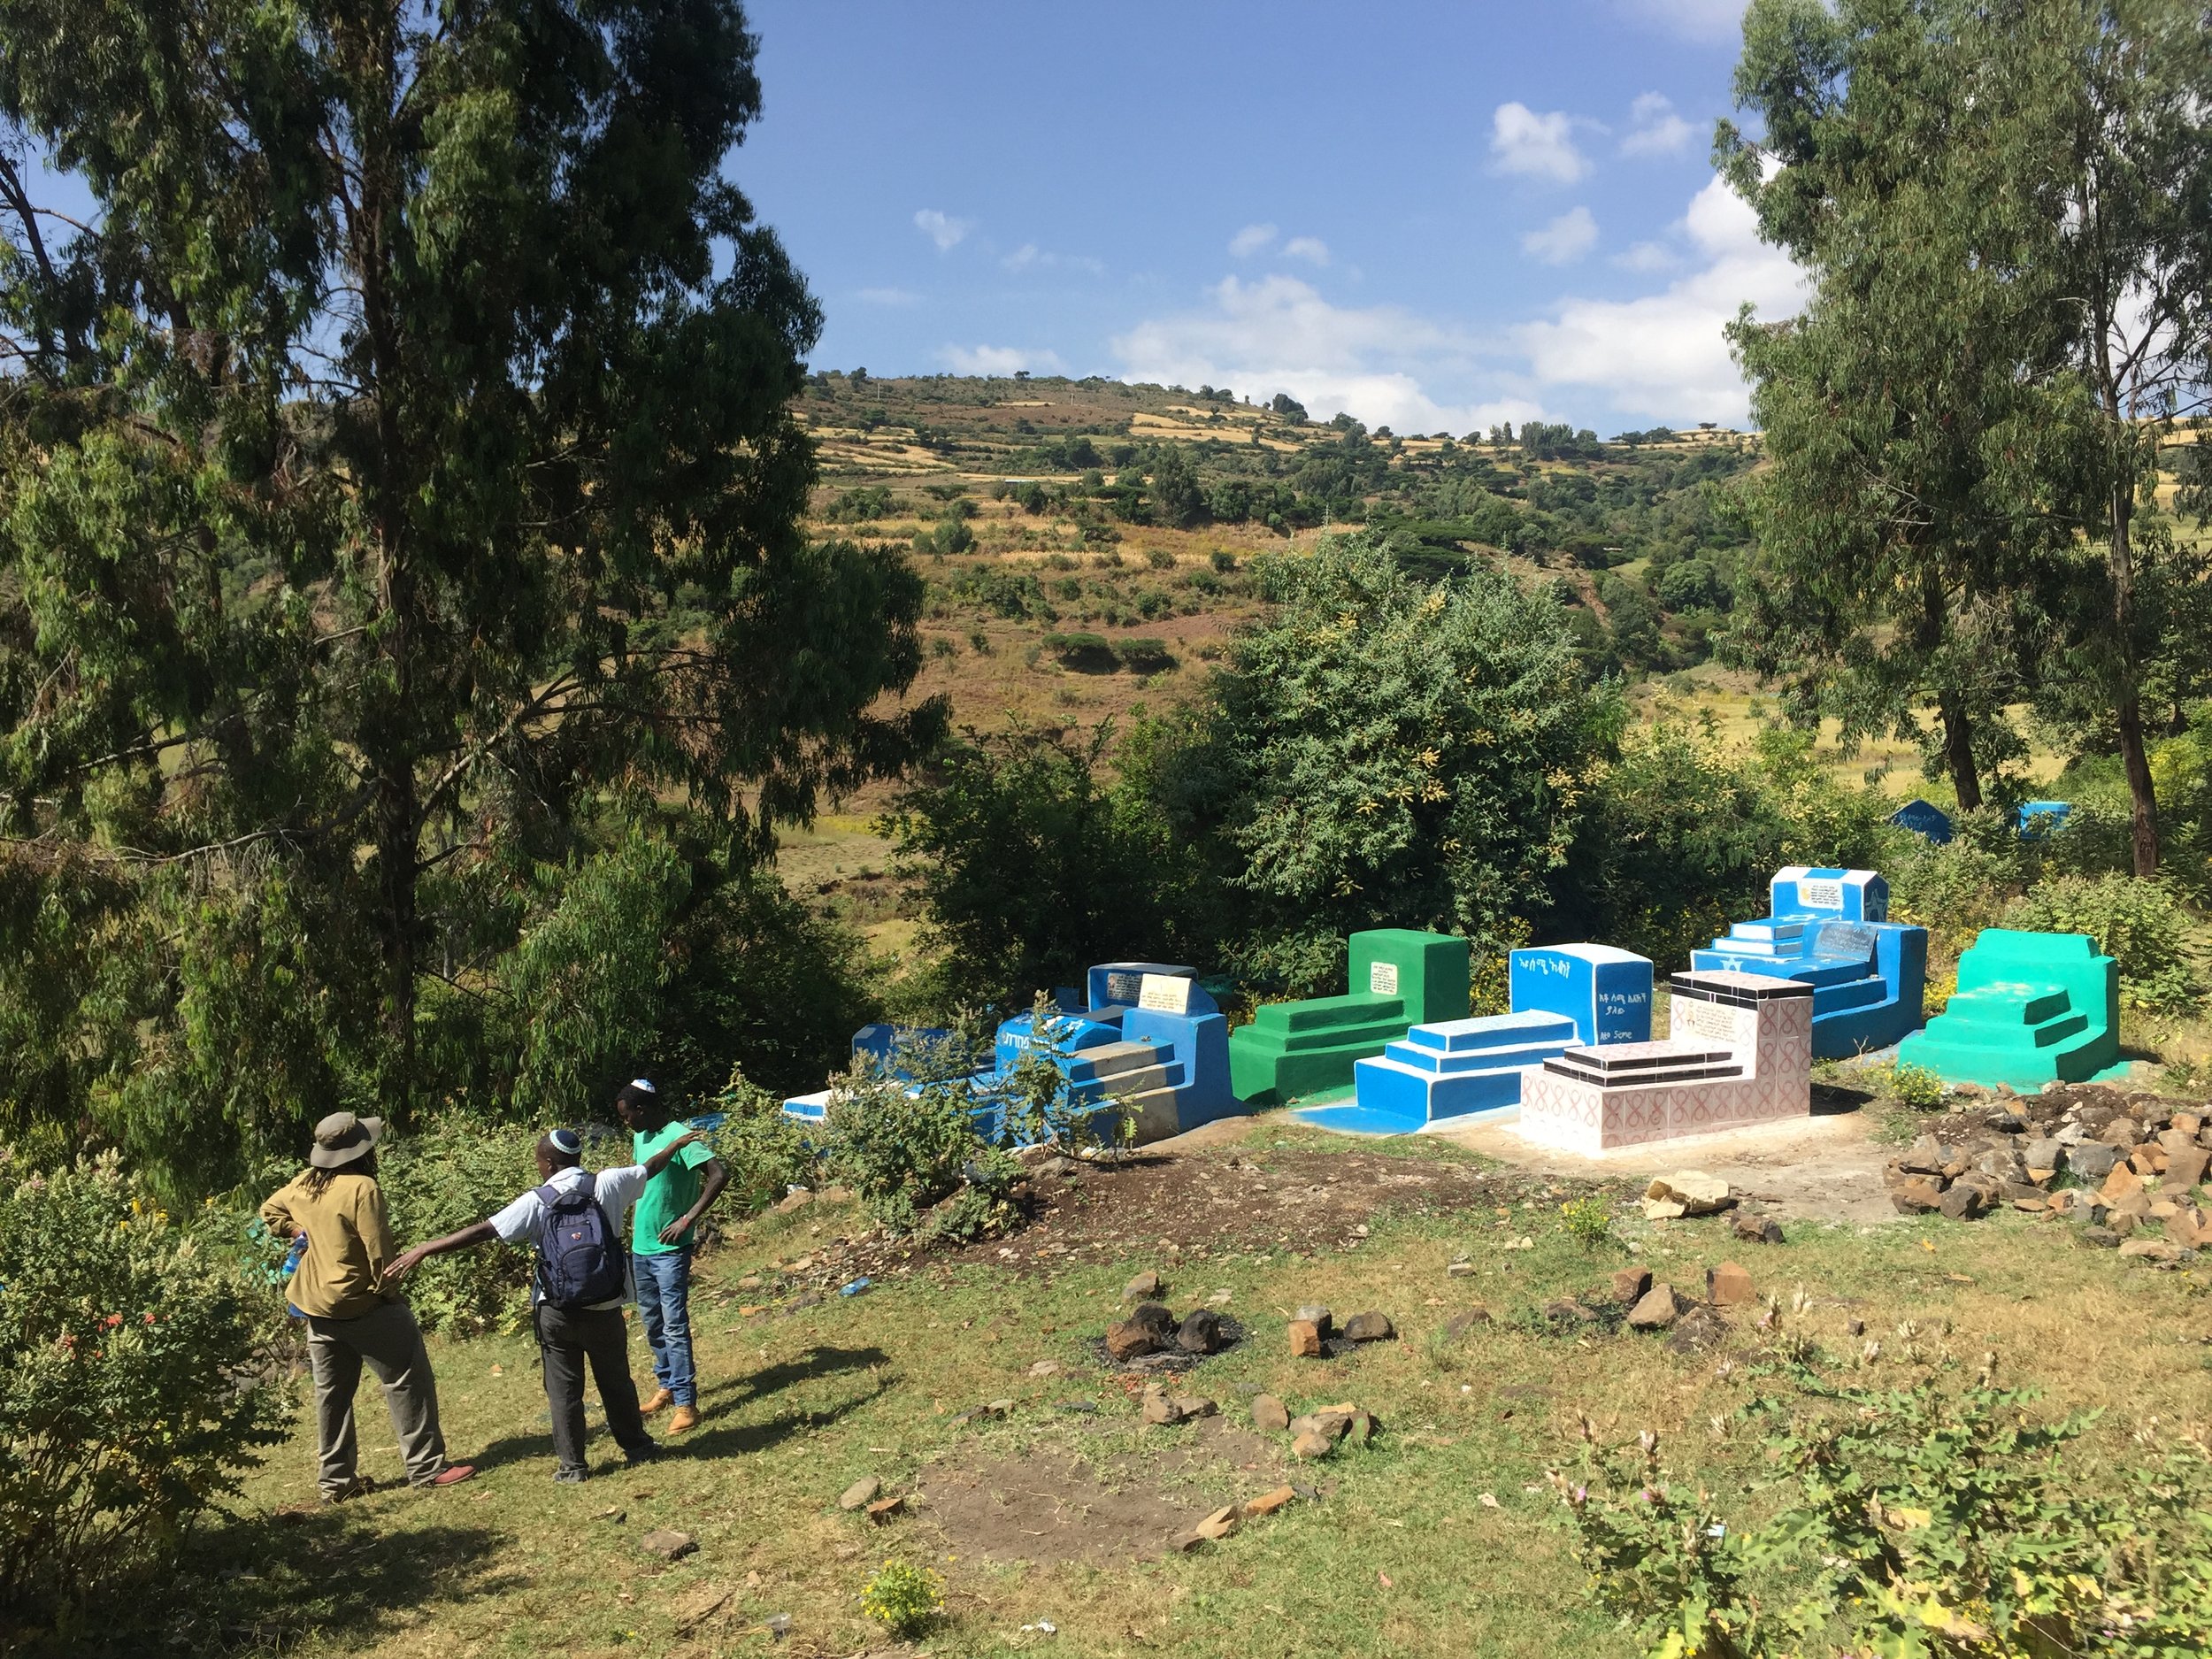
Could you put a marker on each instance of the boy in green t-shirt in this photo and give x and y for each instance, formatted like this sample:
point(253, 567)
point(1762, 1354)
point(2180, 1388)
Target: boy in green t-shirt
point(666, 1213)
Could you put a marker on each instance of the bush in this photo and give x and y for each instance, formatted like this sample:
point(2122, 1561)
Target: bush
point(1588, 1220)
point(901, 1149)
point(1954, 891)
point(1145, 655)
point(765, 1152)
point(448, 1172)
point(1088, 653)
point(1916, 1087)
point(905, 1600)
point(2138, 923)
point(135, 1368)
point(1910, 1521)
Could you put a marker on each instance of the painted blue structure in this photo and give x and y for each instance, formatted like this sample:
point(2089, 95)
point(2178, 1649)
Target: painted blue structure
point(1830, 929)
point(1151, 1038)
point(2035, 820)
point(1926, 819)
point(1450, 1072)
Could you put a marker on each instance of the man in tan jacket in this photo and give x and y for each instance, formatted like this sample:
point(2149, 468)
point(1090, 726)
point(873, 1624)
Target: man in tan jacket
point(353, 1317)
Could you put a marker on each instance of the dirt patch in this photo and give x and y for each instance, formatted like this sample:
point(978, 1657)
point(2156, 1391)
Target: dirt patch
point(1053, 1506)
point(1213, 1201)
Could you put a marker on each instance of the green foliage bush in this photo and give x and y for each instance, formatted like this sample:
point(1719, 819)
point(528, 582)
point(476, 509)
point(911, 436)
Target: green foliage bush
point(2138, 923)
point(1954, 891)
point(137, 1380)
point(451, 1171)
point(765, 1151)
point(905, 1600)
point(901, 1149)
point(1914, 1521)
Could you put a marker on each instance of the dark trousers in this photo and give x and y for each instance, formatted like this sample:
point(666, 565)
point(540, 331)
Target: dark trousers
point(566, 1339)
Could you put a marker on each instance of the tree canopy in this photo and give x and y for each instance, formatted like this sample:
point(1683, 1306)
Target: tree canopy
point(399, 511)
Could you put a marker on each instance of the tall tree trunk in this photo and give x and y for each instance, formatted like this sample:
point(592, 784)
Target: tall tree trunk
point(1958, 751)
point(2128, 703)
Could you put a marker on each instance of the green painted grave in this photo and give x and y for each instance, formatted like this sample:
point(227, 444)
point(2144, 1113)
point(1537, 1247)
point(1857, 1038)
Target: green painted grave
point(2031, 1009)
point(1400, 979)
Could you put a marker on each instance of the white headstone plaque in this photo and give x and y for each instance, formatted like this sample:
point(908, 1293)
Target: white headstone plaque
point(1382, 979)
point(1165, 994)
point(1820, 895)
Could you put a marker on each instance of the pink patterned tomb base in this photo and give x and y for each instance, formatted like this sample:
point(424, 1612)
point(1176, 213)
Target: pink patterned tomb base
point(1740, 1053)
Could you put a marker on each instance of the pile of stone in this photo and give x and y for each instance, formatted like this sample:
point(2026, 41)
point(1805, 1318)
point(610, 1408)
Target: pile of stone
point(1318, 1433)
point(2118, 1162)
point(1313, 1334)
point(1153, 1339)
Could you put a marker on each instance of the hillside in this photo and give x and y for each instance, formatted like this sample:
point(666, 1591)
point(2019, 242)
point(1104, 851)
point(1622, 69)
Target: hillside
point(1046, 510)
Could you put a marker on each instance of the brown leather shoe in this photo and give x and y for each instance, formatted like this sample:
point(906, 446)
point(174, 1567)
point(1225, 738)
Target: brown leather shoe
point(660, 1401)
point(454, 1474)
point(684, 1417)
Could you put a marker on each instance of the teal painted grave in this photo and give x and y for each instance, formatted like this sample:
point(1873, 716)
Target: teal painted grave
point(2031, 1009)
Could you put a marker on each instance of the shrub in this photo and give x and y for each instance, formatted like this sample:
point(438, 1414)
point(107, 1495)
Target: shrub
point(1916, 1087)
point(765, 1152)
point(1145, 655)
point(905, 1600)
point(1588, 1219)
point(1086, 652)
point(1911, 1521)
point(446, 1174)
point(902, 1148)
point(1954, 891)
point(2138, 923)
point(135, 1377)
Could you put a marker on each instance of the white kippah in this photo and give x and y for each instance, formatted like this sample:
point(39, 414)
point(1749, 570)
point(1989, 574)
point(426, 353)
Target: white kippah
point(639, 1082)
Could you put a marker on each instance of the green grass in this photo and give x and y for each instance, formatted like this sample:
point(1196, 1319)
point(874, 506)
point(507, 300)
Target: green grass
point(800, 1404)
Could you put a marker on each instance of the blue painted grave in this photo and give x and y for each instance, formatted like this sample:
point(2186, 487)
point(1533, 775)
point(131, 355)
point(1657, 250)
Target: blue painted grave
point(1923, 818)
point(1830, 929)
point(2036, 819)
point(1450, 1072)
point(1152, 1043)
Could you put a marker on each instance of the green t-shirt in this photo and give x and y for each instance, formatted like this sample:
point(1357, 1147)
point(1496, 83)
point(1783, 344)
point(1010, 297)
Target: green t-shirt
point(669, 1196)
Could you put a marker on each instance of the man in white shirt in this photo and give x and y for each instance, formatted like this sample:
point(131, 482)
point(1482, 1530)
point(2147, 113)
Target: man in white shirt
point(573, 1329)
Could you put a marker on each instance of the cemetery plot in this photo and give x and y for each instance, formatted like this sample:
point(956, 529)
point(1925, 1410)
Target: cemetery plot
point(2031, 1009)
point(1400, 977)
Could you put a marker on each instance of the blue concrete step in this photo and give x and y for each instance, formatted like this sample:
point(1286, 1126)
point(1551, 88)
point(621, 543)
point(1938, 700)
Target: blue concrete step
point(1431, 1064)
point(1488, 1031)
point(1835, 999)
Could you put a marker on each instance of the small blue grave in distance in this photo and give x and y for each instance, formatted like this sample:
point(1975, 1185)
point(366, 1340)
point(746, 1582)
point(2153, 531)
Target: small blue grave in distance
point(1456, 1071)
point(2035, 820)
point(880, 1042)
point(1831, 930)
point(1923, 818)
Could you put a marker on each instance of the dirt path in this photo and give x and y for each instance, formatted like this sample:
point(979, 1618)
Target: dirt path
point(1824, 1168)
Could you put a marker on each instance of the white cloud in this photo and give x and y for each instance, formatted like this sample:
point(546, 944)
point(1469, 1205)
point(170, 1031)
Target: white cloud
point(942, 229)
point(889, 297)
point(1250, 240)
point(1647, 257)
point(1565, 240)
point(1658, 130)
point(1029, 256)
point(1664, 355)
point(1707, 22)
point(1536, 146)
point(998, 359)
point(1308, 248)
point(1278, 333)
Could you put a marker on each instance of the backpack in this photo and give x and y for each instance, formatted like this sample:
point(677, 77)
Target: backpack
point(579, 1259)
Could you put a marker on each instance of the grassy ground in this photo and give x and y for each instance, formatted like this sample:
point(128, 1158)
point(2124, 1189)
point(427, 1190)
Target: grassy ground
point(1437, 1539)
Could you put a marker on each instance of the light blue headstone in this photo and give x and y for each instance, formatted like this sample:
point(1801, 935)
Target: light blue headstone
point(1831, 930)
point(1605, 990)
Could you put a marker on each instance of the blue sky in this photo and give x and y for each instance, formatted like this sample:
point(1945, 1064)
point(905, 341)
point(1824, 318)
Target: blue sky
point(1436, 216)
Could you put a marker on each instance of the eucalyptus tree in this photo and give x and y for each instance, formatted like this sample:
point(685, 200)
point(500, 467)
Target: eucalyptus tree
point(396, 478)
point(2003, 208)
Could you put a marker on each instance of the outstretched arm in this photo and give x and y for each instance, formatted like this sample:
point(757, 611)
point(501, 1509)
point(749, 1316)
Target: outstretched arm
point(481, 1233)
point(658, 1162)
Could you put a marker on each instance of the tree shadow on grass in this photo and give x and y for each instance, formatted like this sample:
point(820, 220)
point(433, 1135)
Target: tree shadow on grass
point(264, 1583)
point(809, 1365)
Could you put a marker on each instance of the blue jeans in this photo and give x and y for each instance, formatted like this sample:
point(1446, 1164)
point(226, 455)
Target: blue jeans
point(663, 1304)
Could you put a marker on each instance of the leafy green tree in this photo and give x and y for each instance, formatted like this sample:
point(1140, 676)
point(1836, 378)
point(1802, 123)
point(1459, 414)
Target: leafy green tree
point(1032, 864)
point(393, 469)
point(1177, 498)
point(1288, 407)
point(1382, 753)
point(2007, 212)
